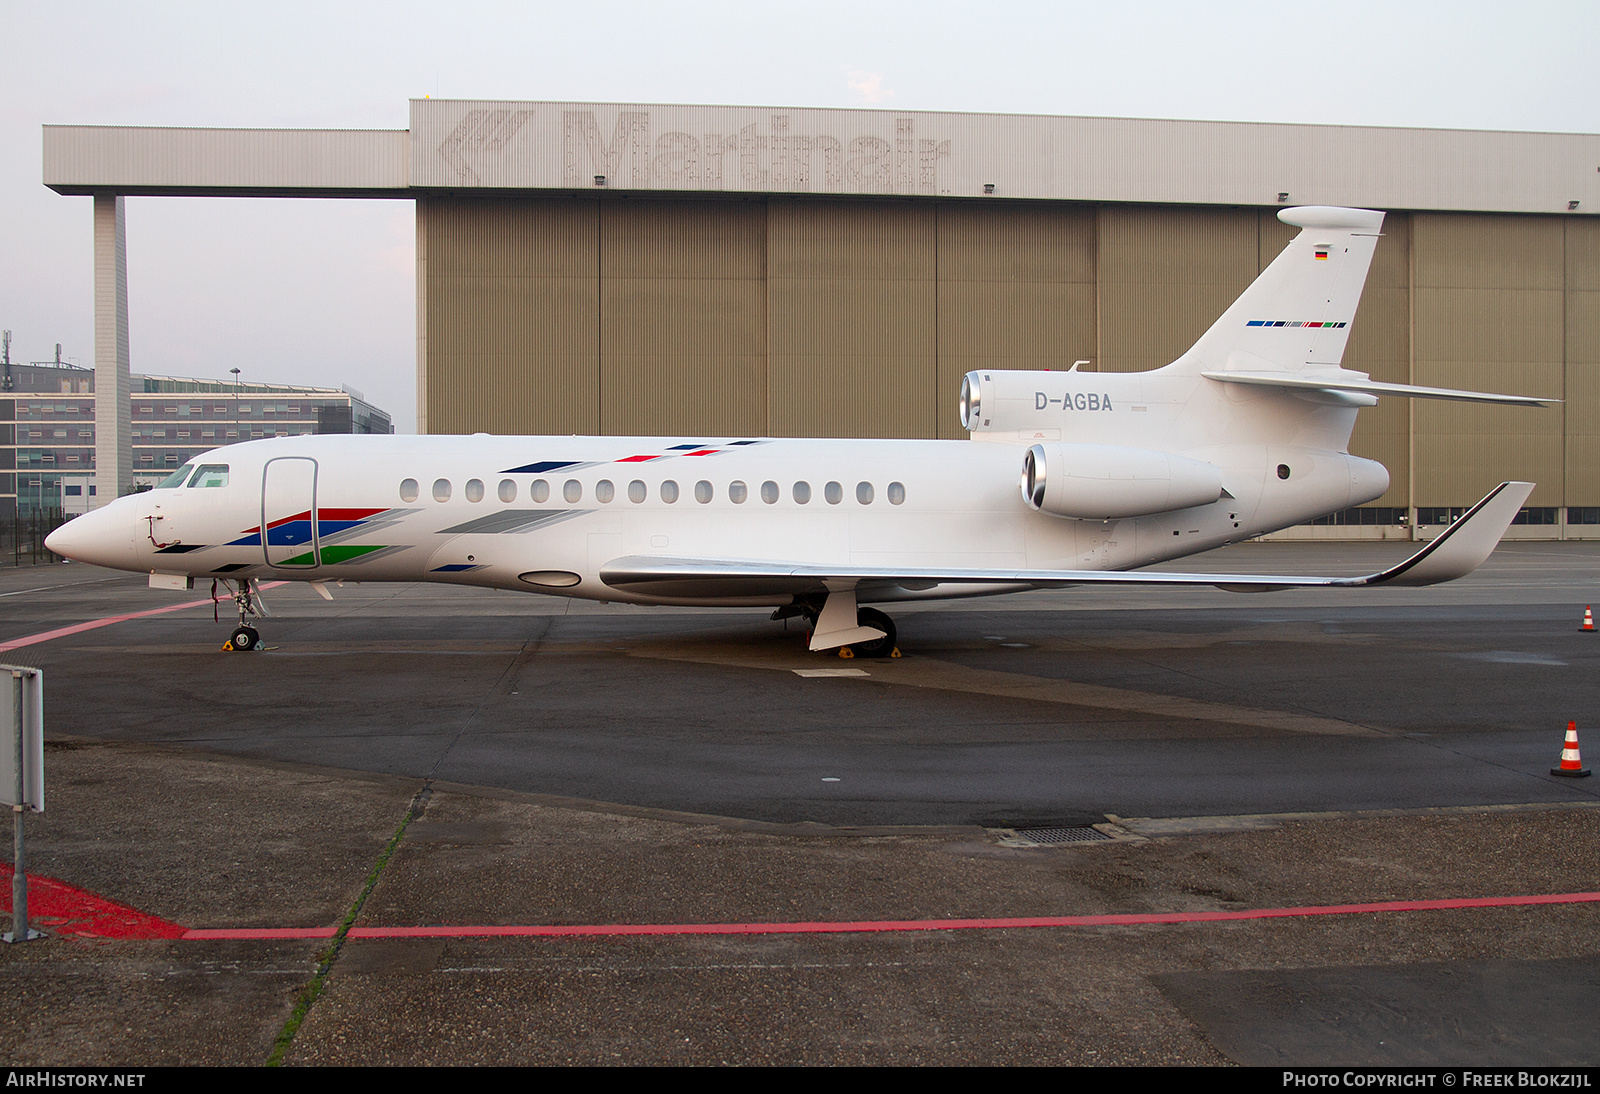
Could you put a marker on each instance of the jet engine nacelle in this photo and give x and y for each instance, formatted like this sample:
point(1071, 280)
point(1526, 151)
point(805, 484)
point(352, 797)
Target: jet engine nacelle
point(1103, 481)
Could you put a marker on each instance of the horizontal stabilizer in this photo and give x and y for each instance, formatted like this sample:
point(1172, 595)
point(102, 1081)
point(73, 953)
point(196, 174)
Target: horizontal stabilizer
point(1455, 553)
point(1355, 382)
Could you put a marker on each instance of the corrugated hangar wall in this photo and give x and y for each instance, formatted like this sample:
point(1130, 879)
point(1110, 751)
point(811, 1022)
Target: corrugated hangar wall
point(803, 317)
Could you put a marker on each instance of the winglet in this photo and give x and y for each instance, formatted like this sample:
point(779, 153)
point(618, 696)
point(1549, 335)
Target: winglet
point(1463, 546)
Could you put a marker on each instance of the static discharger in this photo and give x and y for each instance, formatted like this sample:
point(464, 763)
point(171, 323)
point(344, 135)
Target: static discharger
point(1571, 765)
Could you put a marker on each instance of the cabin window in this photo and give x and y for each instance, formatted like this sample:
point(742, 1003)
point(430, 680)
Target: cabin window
point(834, 493)
point(176, 479)
point(211, 474)
point(769, 492)
point(539, 491)
point(508, 491)
point(702, 491)
point(897, 493)
point(738, 492)
point(802, 492)
point(441, 489)
point(409, 489)
point(637, 491)
point(864, 493)
point(604, 491)
point(669, 491)
point(572, 490)
point(474, 489)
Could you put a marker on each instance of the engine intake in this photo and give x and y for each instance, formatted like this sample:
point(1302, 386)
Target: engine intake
point(1102, 481)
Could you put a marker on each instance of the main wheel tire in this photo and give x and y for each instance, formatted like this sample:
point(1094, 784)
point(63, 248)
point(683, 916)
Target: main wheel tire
point(245, 639)
point(878, 647)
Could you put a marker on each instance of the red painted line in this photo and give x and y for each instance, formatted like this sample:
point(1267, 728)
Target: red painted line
point(875, 925)
point(79, 628)
point(65, 909)
point(259, 933)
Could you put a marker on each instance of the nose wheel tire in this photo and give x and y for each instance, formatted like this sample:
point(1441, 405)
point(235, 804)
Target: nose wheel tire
point(878, 647)
point(245, 639)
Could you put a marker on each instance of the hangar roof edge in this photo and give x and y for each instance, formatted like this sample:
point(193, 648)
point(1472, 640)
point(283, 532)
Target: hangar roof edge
point(503, 146)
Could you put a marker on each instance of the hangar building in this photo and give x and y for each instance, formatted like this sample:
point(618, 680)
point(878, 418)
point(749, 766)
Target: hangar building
point(653, 269)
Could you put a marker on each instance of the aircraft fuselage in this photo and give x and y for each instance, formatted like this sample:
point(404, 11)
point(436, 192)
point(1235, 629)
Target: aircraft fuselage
point(545, 514)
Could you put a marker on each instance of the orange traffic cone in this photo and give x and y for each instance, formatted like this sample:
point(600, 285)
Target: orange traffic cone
point(1588, 619)
point(1571, 765)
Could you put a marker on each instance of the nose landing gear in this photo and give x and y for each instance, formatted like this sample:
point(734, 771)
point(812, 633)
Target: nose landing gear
point(246, 595)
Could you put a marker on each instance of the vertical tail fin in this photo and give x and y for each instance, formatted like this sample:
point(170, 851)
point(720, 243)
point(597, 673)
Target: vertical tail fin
point(1297, 313)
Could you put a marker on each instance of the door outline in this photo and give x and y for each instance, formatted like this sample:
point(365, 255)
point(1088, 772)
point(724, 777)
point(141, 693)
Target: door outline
point(290, 548)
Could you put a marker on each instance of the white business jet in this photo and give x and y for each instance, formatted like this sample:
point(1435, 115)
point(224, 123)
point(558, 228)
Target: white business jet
point(1069, 478)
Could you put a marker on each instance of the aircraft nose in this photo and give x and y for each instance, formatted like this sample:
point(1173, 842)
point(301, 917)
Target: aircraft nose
point(100, 537)
point(60, 541)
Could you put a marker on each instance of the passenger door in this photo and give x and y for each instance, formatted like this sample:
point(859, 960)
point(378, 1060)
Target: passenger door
point(289, 512)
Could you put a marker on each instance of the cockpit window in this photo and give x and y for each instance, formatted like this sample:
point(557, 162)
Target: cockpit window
point(176, 479)
point(210, 474)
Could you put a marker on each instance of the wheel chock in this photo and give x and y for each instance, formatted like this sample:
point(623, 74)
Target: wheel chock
point(895, 652)
point(227, 647)
point(846, 652)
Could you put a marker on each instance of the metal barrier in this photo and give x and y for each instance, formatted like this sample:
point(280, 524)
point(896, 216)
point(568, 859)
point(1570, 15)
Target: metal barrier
point(22, 538)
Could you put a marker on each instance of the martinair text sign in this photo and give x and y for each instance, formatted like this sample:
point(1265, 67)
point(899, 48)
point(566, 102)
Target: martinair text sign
point(680, 148)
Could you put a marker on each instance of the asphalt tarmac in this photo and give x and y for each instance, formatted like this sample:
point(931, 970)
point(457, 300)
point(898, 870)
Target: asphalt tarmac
point(416, 756)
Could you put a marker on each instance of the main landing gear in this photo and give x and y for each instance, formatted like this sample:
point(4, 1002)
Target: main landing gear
point(875, 647)
point(836, 623)
point(246, 595)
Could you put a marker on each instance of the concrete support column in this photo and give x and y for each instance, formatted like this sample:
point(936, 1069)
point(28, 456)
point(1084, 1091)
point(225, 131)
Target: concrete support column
point(424, 290)
point(113, 426)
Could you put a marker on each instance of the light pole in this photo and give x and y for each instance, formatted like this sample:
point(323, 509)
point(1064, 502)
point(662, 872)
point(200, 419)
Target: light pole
point(235, 372)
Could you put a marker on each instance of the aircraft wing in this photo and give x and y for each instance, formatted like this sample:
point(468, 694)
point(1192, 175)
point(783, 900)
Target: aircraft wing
point(1457, 551)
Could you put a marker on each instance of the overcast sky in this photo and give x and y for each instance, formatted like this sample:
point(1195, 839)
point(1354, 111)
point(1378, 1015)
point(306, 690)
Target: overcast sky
point(323, 292)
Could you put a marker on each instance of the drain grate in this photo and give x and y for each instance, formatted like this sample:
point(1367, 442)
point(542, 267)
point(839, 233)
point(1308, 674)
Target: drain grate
point(1077, 834)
